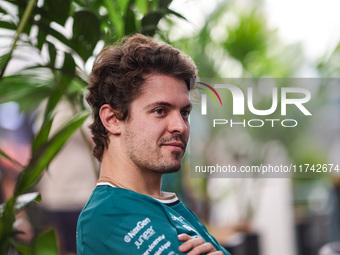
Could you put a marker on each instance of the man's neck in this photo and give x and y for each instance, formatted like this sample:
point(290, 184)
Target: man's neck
point(126, 175)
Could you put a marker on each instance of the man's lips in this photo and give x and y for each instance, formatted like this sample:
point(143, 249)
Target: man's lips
point(178, 146)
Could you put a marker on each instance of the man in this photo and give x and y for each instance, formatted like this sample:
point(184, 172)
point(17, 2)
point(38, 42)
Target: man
point(139, 92)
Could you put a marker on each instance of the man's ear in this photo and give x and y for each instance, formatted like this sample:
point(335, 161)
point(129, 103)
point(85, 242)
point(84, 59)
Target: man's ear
point(109, 119)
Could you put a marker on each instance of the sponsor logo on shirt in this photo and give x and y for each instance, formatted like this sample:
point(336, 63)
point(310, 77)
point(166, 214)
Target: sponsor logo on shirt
point(145, 236)
point(132, 233)
point(153, 244)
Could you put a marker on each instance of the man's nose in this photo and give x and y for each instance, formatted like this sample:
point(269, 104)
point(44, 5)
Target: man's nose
point(177, 123)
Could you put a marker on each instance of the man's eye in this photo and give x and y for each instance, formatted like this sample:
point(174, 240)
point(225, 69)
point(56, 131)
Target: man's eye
point(185, 113)
point(159, 111)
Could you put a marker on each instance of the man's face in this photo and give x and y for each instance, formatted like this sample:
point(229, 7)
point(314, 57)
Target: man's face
point(157, 130)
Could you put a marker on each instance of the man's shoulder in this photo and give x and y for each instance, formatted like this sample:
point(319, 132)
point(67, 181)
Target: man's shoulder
point(126, 210)
point(111, 200)
point(119, 221)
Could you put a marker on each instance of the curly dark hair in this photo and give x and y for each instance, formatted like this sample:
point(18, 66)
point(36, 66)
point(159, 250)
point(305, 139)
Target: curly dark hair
point(119, 73)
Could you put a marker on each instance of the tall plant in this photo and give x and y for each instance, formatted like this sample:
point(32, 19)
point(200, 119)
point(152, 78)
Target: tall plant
point(63, 36)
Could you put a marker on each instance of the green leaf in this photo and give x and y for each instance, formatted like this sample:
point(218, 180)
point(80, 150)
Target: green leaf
point(42, 136)
point(130, 19)
point(52, 52)
point(169, 11)
point(121, 4)
point(41, 38)
point(53, 101)
point(4, 155)
point(7, 25)
point(69, 67)
point(3, 62)
point(77, 87)
point(58, 11)
point(22, 88)
point(45, 28)
point(2, 10)
point(247, 35)
point(86, 33)
point(32, 173)
point(142, 6)
point(45, 244)
point(164, 4)
point(6, 225)
point(150, 22)
point(22, 248)
point(115, 15)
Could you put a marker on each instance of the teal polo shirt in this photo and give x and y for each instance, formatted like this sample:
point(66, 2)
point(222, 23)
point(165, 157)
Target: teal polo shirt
point(120, 221)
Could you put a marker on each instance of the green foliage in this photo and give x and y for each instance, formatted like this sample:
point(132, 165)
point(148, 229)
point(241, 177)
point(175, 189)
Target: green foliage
point(4, 155)
point(32, 173)
point(85, 23)
point(22, 88)
point(328, 64)
point(46, 152)
point(45, 244)
point(237, 42)
point(42, 28)
point(248, 35)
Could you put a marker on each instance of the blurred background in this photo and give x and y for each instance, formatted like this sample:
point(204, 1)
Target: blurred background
point(47, 49)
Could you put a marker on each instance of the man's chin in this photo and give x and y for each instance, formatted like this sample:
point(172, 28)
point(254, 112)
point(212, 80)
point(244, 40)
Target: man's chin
point(171, 170)
point(168, 169)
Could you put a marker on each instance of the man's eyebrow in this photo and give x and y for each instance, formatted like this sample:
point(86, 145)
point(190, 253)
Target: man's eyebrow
point(188, 106)
point(163, 103)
